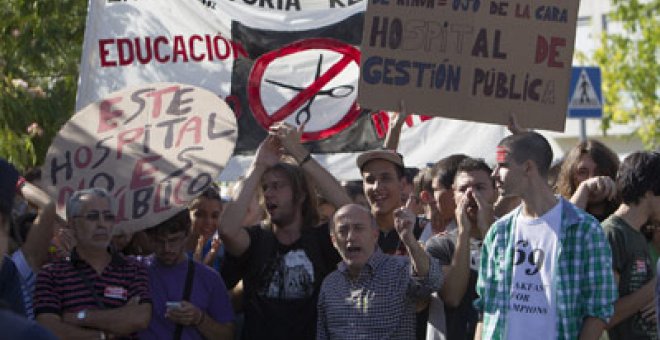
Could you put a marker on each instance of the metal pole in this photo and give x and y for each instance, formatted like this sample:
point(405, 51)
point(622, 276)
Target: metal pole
point(583, 129)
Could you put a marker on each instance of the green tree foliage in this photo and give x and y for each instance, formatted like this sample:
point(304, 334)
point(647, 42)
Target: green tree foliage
point(40, 48)
point(630, 69)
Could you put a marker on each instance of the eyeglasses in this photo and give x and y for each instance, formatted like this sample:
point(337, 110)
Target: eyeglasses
point(95, 216)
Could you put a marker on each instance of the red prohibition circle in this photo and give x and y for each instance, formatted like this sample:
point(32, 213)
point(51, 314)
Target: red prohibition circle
point(350, 54)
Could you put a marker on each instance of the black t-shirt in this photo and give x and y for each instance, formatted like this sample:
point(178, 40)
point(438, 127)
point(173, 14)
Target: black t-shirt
point(630, 258)
point(391, 244)
point(281, 283)
point(460, 321)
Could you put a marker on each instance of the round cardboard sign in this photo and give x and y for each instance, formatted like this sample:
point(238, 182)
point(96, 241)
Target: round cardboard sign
point(311, 81)
point(154, 148)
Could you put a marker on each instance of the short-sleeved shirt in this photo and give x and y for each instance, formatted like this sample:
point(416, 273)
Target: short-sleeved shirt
point(281, 282)
point(208, 293)
point(11, 292)
point(630, 258)
point(61, 288)
point(460, 321)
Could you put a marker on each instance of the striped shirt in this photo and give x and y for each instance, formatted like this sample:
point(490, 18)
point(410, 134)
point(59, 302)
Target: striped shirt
point(28, 281)
point(379, 304)
point(61, 289)
point(584, 282)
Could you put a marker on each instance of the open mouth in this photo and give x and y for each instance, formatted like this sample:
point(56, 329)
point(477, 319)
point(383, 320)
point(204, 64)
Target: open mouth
point(352, 250)
point(378, 199)
point(270, 207)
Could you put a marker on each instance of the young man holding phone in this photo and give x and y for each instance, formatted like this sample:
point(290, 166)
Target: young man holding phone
point(190, 299)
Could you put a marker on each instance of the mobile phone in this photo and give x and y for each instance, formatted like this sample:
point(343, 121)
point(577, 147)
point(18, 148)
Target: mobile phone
point(173, 304)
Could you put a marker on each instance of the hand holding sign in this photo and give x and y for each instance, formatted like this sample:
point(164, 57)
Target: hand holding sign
point(269, 152)
point(290, 138)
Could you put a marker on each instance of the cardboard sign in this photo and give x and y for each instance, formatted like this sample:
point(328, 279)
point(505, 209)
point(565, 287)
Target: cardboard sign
point(470, 59)
point(154, 148)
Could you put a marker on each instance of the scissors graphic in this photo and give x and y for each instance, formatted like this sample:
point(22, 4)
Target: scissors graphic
point(335, 92)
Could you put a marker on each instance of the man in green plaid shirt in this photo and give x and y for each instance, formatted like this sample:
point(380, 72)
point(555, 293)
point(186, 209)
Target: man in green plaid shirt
point(545, 270)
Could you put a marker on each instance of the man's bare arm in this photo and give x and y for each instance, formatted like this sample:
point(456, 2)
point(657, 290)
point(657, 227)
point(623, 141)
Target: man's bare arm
point(394, 131)
point(458, 273)
point(404, 222)
point(212, 329)
point(235, 238)
point(626, 306)
point(592, 328)
point(38, 239)
point(119, 321)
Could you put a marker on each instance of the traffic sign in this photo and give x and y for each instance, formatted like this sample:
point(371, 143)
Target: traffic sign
point(585, 99)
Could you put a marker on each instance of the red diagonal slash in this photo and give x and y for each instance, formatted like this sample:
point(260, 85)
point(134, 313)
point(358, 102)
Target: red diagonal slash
point(307, 94)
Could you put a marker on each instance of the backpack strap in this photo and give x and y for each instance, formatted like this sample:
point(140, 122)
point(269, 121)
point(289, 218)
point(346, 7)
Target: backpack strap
point(187, 289)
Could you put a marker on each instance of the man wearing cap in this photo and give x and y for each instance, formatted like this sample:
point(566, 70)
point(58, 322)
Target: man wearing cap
point(95, 294)
point(383, 180)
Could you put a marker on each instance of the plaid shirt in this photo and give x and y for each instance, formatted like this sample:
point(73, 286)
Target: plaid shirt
point(584, 281)
point(379, 304)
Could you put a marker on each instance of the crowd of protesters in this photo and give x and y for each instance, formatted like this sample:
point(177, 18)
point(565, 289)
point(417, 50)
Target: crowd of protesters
point(518, 249)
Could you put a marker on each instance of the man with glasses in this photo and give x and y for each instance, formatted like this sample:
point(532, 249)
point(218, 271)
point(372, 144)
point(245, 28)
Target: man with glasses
point(206, 311)
point(95, 294)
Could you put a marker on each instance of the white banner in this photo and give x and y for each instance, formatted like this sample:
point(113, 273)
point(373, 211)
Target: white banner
point(270, 60)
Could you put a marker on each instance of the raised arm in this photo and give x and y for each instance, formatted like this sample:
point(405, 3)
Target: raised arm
point(35, 248)
point(233, 235)
point(394, 129)
point(404, 221)
point(327, 184)
point(457, 273)
point(594, 189)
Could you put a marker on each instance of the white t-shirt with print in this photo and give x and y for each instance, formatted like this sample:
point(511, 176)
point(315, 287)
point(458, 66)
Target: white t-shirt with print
point(532, 307)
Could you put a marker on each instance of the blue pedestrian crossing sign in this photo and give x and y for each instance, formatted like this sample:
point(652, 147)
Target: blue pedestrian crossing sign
point(585, 98)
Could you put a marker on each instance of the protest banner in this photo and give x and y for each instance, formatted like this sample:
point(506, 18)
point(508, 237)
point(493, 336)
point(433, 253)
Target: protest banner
point(470, 59)
point(153, 147)
point(293, 60)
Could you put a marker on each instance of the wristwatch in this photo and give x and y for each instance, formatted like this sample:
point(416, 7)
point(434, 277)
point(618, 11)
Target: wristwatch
point(82, 315)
